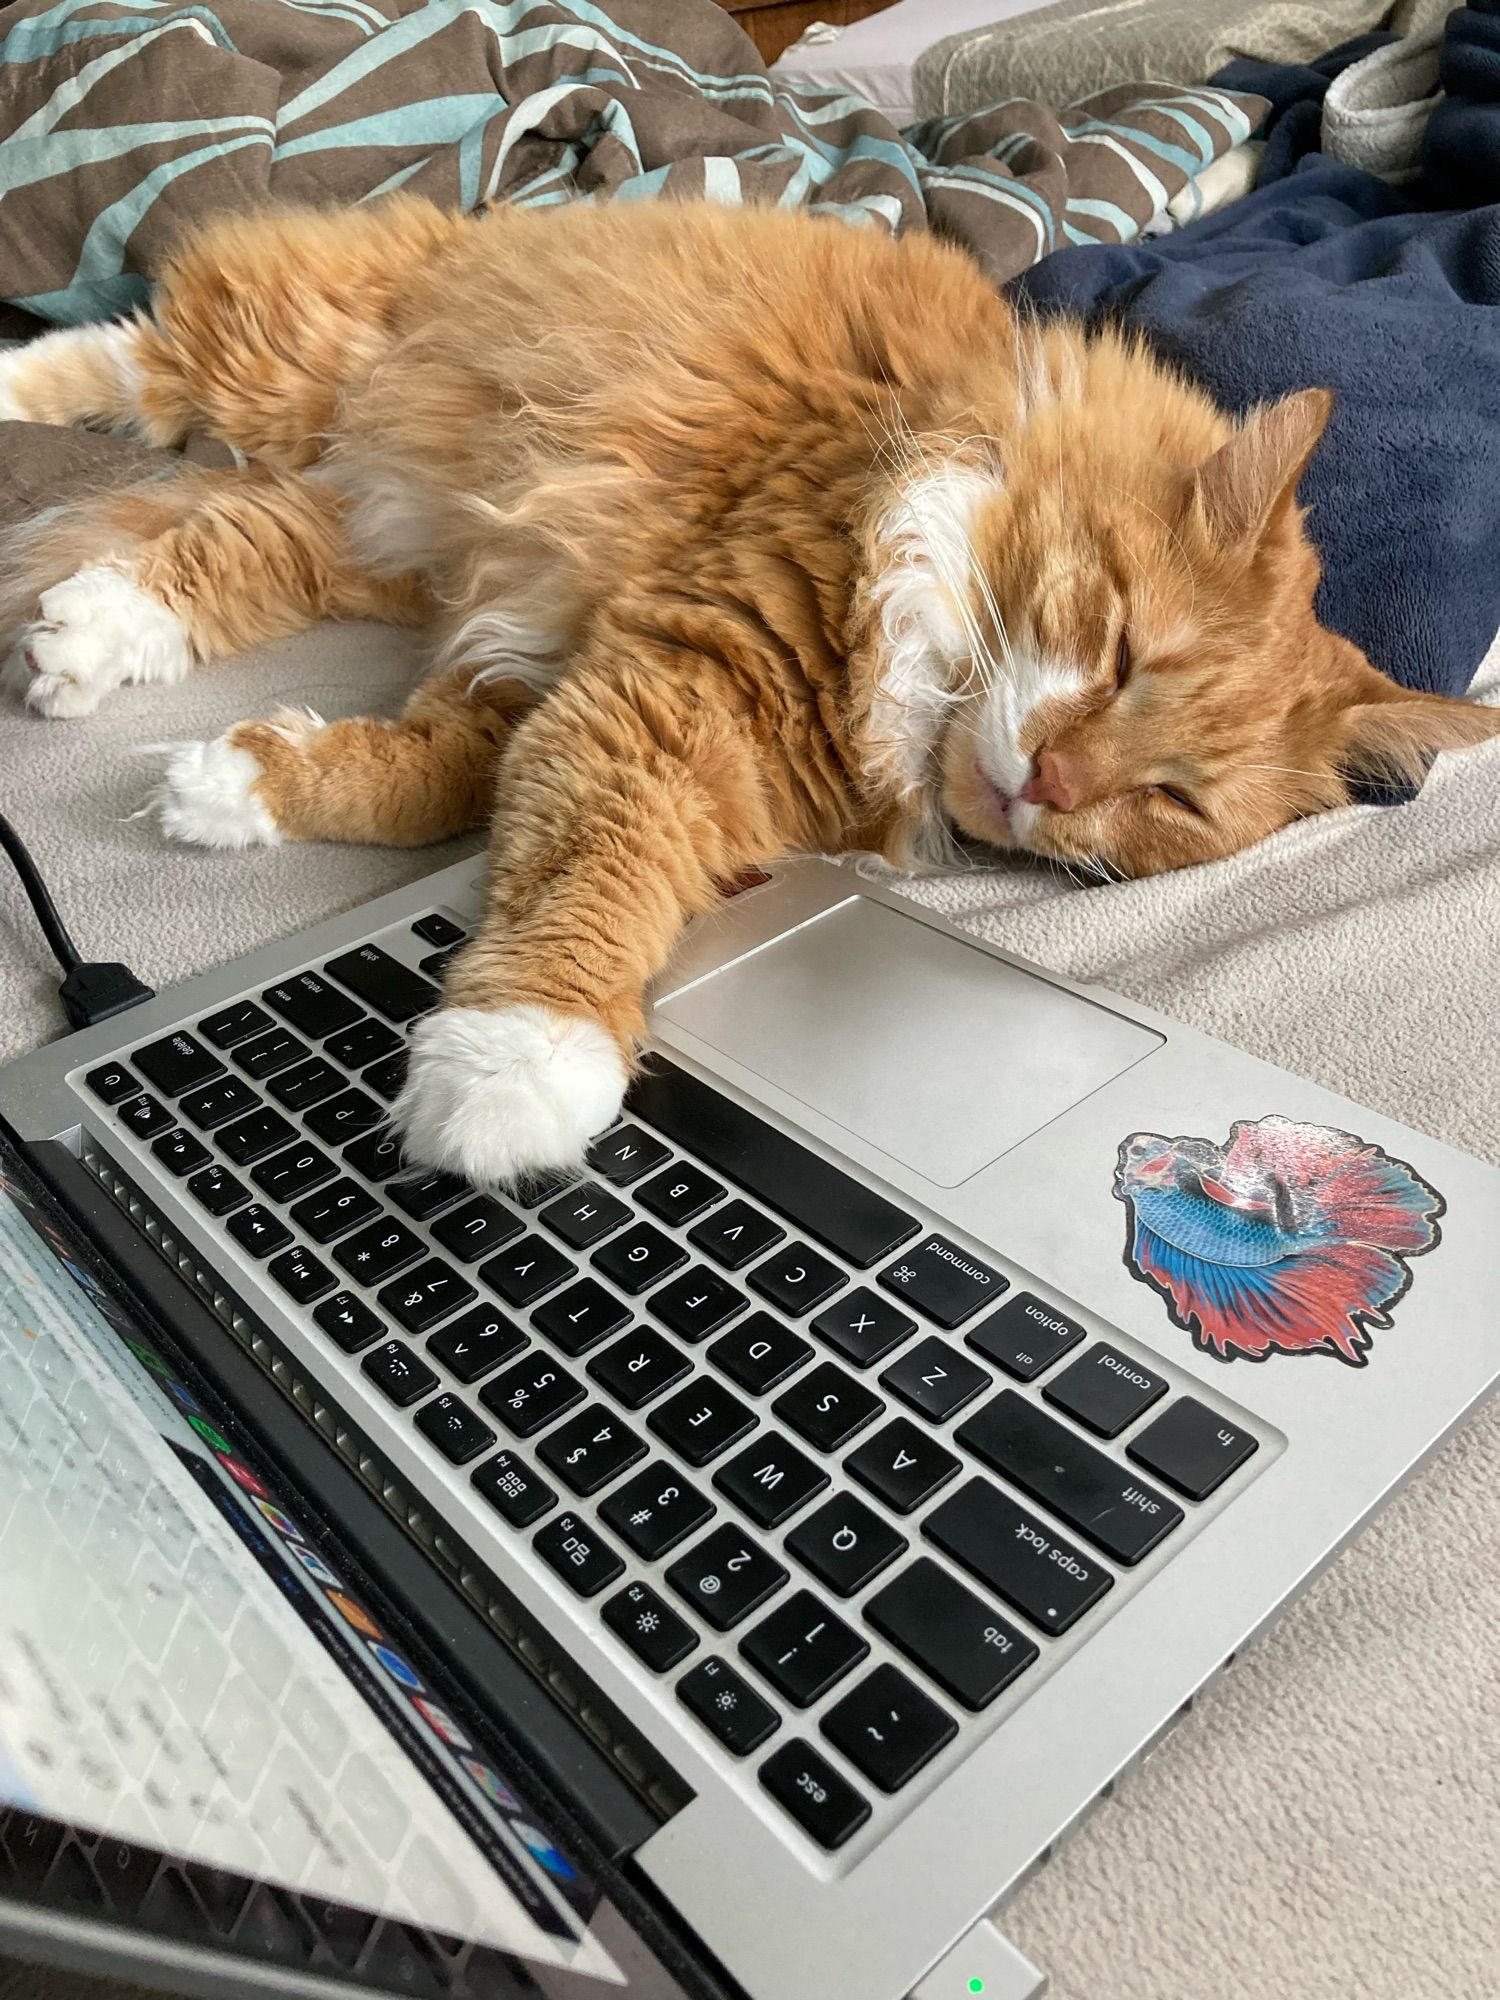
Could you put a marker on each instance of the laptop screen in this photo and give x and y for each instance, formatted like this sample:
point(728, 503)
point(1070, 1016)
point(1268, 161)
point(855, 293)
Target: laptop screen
point(205, 1734)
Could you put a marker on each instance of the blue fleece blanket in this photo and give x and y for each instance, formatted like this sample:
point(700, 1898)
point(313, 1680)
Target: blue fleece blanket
point(1325, 276)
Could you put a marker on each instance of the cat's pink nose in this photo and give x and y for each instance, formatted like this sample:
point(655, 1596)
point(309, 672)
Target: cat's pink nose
point(1054, 782)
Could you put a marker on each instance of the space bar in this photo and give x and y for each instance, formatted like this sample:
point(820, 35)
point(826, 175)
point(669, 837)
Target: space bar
point(829, 1204)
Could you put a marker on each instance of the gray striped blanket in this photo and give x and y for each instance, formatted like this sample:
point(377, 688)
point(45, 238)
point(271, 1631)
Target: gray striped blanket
point(124, 121)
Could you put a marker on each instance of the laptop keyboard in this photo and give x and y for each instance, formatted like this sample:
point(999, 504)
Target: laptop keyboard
point(778, 1432)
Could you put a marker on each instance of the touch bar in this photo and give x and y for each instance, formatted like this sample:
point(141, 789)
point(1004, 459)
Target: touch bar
point(829, 1204)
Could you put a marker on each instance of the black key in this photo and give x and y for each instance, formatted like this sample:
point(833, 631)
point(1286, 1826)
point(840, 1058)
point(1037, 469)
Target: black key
point(735, 1234)
point(436, 963)
point(862, 1327)
point(332, 1210)
point(697, 1303)
point(702, 1420)
point(829, 1204)
point(180, 1153)
point(311, 1005)
point(725, 1576)
point(943, 1281)
point(377, 1155)
point(349, 1322)
point(344, 1117)
point(530, 1395)
point(439, 930)
point(795, 1278)
point(591, 1449)
point(649, 1627)
point(454, 1428)
point(888, 1728)
point(366, 1042)
point(476, 1342)
point(954, 1636)
point(1105, 1390)
point(217, 1191)
point(379, 1250)
point(640, 1258)
point(297, 1170)
point(656, 1510)
point(259, 1230)
point(478, 1229)
point(760, 1353)
point(383, 983)
point(623, 1155)
point(902, 1464)
point(253, 1137)
point(427, 1194)
point(269, 1053)
point(387, 1078)
point(177, 1063)
point(845, 1543)
point(935, 1380)
point(110, 1082)
point(802, 1649)
point(824, 1805)
point(145, 1117)
point(1025, 1336)
point(526, 1270)
point(584, 1215)
point(426, 1295)
point(513, 1489)
point(770, 1479)
point(579, 1554)
point(642, 1365)
point(308, 1084)
point(234, 1023)
point(1017, 1556)
point(300, 1275)
point(1192, 1448)
point(534, 1189)
point(212, 1103)
point(580, 1317)
point(727, 1706)
point(1118, 1512)
point(404, 1376)
point(678, 1193)
point(827, 1406)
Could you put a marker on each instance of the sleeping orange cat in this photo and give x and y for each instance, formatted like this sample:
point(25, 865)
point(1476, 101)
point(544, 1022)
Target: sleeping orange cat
point(728, 533)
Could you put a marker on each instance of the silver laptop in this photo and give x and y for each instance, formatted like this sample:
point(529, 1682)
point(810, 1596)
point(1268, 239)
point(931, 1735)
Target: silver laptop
point(742, 1562)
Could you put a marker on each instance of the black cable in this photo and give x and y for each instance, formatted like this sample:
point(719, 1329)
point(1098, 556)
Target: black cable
point(89, 992)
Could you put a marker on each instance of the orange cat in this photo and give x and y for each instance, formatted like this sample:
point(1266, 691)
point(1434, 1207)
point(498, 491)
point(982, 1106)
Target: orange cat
point(731, 533)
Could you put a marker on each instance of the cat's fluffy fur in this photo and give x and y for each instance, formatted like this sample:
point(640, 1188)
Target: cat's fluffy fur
point(731, 533)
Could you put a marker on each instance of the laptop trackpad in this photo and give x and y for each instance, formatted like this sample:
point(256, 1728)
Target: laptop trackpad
point(910, 1038)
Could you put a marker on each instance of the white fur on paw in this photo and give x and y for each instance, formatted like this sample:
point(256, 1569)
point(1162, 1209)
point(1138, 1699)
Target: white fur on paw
point(497, 1096)
point(207, 797)
point(98, 630)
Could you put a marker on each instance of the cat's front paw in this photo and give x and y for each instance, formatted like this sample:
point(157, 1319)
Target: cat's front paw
point(96, 631)
point(498, 1096)
point(208, 795)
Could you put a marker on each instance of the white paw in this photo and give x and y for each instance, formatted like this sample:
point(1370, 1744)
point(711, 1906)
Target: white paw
point(98, 630)
point(207, 797)
point(497, 1096)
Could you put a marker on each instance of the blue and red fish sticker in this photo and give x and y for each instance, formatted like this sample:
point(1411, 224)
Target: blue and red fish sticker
point(1289, 1239)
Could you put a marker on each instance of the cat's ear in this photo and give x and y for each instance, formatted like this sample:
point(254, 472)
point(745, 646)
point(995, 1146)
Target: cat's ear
point(1250, 484)
point(1391, 732)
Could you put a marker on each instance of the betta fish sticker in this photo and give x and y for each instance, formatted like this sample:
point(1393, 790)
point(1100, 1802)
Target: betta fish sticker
point(1287, 1239)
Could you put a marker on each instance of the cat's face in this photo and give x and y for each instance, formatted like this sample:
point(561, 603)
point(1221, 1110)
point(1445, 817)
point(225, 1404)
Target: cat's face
point(1144, 682)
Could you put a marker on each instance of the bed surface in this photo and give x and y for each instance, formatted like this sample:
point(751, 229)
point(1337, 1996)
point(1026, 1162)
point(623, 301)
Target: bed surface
point(1275, 1832)
point(873, 58)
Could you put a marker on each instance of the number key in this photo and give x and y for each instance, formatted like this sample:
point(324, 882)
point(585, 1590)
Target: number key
point(528, 1397)
point(476, 1342)
point(590, 1449)
point(379, 1250)
point(725, 1576)
point(656, 1510)
point(426, 1295)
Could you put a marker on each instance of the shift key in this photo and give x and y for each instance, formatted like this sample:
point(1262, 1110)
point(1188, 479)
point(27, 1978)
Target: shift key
point(1091, 1492)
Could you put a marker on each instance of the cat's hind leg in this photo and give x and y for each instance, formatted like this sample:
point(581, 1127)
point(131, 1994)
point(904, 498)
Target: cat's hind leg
point(144, 584)
point(421, 778)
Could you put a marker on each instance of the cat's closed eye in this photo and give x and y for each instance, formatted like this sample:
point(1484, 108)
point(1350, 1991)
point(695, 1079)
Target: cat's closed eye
point(1177, 798)
point(1123, 662)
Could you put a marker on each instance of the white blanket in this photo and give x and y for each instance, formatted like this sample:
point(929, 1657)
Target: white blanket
point(1327, 1823)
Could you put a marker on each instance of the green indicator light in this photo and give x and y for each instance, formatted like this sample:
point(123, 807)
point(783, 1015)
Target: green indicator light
point(976, 1985)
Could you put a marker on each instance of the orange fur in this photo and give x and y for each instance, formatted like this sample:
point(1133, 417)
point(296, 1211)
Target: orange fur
point(733, 532)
